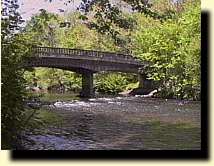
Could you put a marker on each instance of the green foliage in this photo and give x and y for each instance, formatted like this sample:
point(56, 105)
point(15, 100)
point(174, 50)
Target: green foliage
point(112, 83)
point(42, 28)
point(132, 86)
point(12, 85)
point(109, 18)
point(172, 49)
point(14, 49)
point(75, 36)
point(47, 77)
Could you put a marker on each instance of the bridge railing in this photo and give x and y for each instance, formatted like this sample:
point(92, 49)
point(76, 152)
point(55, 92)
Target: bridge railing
point(109, 56)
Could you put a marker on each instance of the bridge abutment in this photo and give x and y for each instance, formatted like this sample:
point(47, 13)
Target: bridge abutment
point(87, 85)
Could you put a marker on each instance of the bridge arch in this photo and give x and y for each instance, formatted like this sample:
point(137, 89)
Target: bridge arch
point(85, 62)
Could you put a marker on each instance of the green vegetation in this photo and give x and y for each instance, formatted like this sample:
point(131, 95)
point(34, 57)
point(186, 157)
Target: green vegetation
point(46, 77)
point(111, 83)
point(172, 49)
point(164, 34)
point(14, 49)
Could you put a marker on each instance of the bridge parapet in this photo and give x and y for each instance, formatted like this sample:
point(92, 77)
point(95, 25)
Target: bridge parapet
point(84, 54)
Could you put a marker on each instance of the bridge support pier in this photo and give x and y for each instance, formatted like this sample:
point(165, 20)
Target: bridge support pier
point(146, 85)
point(87, 85)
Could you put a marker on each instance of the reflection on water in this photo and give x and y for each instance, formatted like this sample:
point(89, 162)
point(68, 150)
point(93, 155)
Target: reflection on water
point(120, 123)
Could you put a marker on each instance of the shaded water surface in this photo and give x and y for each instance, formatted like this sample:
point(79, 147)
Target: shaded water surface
point(119, 123)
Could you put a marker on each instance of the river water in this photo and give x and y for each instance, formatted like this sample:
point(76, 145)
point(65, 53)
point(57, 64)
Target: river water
point(119, 123)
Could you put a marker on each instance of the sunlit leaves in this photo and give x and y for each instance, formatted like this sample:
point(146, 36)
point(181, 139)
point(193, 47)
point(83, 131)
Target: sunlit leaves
point(42, 28)
point(173, 52)
point(111, 83)
point(107, 18)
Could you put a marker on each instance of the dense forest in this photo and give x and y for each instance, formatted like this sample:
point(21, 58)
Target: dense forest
point(166, 34)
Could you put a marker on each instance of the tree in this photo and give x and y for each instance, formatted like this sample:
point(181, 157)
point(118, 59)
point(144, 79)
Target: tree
point(172, 50)
point(107, 17)
point(42, 28)
point(14, 50)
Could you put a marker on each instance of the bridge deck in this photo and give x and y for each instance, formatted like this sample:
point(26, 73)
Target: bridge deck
point(84, 54)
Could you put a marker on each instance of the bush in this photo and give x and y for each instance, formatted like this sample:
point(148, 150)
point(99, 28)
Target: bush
point(111, 83)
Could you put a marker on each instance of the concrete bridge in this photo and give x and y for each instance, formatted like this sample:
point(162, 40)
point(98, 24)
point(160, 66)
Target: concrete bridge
point(86, 62)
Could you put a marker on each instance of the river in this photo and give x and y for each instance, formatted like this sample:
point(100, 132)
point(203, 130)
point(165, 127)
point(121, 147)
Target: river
point(118, 123)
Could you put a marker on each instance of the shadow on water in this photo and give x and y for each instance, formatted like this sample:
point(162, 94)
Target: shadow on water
point(117, 123)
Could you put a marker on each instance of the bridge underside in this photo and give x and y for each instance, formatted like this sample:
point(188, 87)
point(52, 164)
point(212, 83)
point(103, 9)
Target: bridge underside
point(82, 65)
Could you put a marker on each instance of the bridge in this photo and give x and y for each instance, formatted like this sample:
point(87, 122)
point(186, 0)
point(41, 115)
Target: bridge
point(86, 62)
